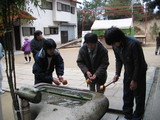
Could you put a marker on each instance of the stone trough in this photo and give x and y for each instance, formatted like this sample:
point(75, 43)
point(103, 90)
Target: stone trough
point(64, 103)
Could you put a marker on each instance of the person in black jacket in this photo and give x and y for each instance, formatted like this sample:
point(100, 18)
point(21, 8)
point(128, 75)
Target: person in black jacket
point(46, 60)
point(37, 42)
point(128, 52)
point(93, 61)
point(157, 44)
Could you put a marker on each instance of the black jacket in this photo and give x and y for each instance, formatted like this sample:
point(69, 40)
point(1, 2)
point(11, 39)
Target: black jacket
point(100, 62)
point(41, 64)
point(36, 45)
point(131, 55)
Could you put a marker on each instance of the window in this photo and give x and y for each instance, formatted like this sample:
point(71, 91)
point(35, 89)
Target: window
point(53, 30)
point(59, 6)
point(73, 10)
point(32, 30)
point(46, 31)
point(50, 30)
point(47, 5)
point(63, 7)
point(27, 31)
point(68, 8)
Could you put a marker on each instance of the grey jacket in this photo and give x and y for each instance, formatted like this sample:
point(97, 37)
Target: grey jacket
point(1, 51)
point(99, 64)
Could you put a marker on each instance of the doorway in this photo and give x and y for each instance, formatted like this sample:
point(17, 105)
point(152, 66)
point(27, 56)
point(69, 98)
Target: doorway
point(64, 37)
point(17, 37)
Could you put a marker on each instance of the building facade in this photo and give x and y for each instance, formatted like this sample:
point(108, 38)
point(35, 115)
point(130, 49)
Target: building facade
point(57, 20)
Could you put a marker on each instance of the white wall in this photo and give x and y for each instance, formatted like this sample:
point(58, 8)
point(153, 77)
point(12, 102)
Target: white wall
point(46, 18)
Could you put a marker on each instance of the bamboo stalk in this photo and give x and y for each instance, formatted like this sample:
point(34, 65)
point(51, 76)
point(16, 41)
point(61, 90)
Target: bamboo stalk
point(68, 95)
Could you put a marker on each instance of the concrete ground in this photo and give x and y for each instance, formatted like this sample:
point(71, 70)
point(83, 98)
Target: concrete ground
point(153, 103)
point(75, 77)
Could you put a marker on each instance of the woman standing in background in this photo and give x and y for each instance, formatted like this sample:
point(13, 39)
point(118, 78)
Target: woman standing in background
point(27, 50)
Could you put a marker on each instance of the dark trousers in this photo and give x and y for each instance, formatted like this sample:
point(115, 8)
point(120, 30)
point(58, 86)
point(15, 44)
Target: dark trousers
point(138, 94)
point(38, 79)
point(157, 49)
point(94, 87)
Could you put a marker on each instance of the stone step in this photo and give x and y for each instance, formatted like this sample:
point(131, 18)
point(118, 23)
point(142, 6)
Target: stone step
point(110, 116)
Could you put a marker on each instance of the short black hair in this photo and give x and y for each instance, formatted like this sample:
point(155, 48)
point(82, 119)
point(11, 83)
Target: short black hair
point(37, 32)
point(91, 38)
point(49, 44)
point(113, 35)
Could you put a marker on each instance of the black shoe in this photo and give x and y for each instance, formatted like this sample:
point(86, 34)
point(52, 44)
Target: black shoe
point(155, 53)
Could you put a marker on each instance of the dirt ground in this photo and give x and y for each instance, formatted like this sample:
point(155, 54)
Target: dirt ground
point(70, 56)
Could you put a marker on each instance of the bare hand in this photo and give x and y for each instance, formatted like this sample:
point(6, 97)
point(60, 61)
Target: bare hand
point(89, 75)
point(133, 85)
point(115, 78)
point(56, 81)
point(93, 77)
point(61, 78)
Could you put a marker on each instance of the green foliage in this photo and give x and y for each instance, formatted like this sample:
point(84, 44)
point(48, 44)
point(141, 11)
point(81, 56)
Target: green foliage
point(93, 4)
point(152, 4)
point(154, 30)
point(11, 8)
point(114, 9)
point(123, 9)
point(137, 30)
point(88, 13)
point(114, 3)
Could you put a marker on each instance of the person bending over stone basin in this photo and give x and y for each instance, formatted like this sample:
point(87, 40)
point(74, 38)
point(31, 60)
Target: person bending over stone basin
point(46, 60)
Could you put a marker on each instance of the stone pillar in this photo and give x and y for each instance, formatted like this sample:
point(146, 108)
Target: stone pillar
point(25, 110)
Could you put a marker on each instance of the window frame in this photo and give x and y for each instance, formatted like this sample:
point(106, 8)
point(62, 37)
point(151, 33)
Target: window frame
point(63, 7)
point(47, 5)
point(73, 10)
point(27, 31)
point(59, 6)
point(51, 30)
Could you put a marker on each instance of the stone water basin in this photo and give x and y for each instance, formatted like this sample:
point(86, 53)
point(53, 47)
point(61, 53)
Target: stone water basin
point(64, 103)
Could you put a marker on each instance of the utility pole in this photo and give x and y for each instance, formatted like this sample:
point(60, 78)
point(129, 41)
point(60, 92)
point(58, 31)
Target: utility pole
point(132, 3)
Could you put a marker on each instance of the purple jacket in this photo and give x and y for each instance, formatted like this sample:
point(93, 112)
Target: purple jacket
point(26, 46)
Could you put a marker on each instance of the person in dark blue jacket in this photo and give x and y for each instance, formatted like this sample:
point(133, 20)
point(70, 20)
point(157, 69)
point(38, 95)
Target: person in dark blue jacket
point(128, 52)
point(46, 60)
point(37, 42)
